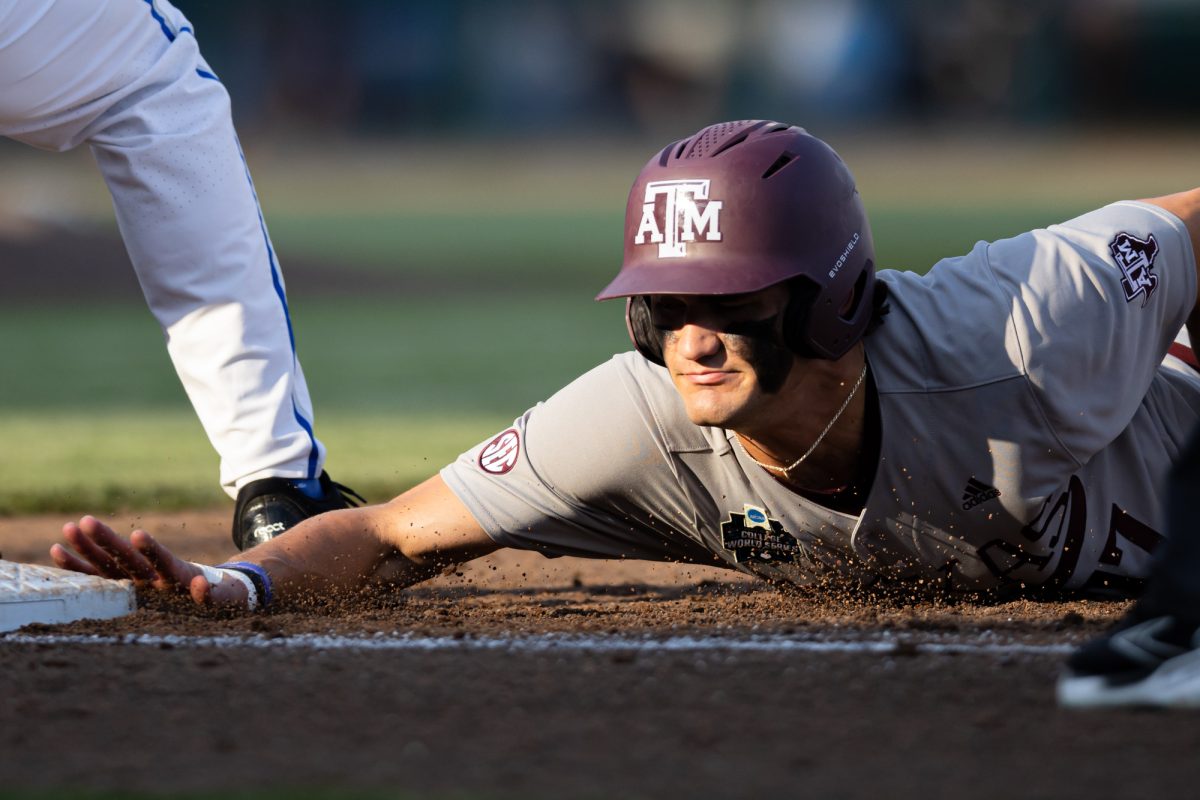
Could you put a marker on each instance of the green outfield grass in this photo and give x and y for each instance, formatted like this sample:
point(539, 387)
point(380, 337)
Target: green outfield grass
point(111, 459)
point(93, 418)
point(92, 415)
point(500, 257)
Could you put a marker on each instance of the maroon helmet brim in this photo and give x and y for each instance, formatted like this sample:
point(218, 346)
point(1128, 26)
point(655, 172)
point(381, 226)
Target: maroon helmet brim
point(694, 277)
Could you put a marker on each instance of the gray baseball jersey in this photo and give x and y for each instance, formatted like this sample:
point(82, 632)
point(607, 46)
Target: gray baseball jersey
point(1029, 414)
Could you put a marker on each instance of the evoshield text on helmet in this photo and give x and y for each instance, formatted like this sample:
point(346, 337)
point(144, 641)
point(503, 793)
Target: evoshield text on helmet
point(741, 206)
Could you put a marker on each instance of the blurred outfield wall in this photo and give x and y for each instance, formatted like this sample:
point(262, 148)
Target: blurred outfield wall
point(523, 67)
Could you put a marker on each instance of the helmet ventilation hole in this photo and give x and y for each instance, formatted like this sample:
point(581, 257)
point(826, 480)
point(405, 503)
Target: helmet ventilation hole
point(734, 142)
point(857, 298)
point(712, 136)
point(779, 164)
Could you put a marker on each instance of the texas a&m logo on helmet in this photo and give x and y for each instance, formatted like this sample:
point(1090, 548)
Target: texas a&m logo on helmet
point(687, 213)
point(1135, 257)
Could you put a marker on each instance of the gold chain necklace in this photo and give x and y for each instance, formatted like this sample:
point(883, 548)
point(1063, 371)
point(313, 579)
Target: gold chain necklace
point(785, 470)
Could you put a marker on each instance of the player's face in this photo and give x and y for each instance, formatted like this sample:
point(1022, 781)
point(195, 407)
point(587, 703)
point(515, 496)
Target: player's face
point(724, 352)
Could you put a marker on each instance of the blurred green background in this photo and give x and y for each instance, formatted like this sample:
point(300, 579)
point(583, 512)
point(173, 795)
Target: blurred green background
point(444, 214)
point(431, 315)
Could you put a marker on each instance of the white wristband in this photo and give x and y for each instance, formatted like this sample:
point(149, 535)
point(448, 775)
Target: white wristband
point(215, 575)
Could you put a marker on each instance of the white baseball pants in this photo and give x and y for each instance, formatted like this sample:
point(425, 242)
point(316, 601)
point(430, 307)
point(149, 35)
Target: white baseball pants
point(126, 77)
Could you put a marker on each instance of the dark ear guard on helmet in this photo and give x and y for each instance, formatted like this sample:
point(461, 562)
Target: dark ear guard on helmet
point(795, 329)
point(646, 338)
point(818, 326)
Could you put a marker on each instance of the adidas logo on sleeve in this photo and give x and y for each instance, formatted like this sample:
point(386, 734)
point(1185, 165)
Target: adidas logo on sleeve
point(977, 492)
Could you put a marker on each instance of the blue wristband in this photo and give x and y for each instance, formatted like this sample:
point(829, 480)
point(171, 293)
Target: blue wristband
point(257, 575)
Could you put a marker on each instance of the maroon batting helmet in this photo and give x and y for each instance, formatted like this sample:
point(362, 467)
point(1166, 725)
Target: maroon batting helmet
point(741, 206)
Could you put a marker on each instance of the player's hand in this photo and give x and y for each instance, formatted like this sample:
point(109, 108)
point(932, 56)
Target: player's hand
point(101, 552)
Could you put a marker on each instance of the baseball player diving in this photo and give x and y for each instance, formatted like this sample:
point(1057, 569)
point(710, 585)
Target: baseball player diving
point(1004, 423)
point(126, 77)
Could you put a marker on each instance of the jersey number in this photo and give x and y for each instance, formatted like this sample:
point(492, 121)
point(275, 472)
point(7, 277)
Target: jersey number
point(1065, 519)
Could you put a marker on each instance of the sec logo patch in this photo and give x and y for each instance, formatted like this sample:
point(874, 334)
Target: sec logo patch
point(500, 454)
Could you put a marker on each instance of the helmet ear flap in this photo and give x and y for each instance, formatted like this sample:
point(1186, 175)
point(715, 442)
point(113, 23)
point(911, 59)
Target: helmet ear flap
point(802, 294)
point(646, 338)
point(814, 328)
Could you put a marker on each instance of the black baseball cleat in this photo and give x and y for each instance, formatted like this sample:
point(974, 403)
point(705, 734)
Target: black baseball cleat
point(268, 507)
point(1148, 659)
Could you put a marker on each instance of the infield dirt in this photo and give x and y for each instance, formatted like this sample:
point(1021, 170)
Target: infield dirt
point(510, 721)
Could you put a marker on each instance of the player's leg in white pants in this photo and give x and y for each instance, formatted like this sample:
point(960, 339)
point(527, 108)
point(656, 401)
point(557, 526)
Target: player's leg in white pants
point(127, 78)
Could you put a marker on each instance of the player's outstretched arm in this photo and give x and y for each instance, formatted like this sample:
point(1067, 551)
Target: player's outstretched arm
point(396, 544)
point(1186, 206)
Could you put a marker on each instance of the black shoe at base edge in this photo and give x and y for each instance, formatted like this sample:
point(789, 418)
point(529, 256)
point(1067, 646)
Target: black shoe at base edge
point(1147, 659)
point(266, 508)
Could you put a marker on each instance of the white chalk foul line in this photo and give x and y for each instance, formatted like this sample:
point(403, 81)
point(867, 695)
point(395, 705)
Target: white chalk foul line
point(980, 645)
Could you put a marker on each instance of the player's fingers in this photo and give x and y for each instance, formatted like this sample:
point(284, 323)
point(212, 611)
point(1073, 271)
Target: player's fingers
point(65, 559)
point(100, 560)
point(200, 590)
point(130, 560)
point(226, 593)
point(171, 570)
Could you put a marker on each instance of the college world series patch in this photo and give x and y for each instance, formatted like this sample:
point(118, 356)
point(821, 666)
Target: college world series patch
point(1135, 257)
point(752, 536)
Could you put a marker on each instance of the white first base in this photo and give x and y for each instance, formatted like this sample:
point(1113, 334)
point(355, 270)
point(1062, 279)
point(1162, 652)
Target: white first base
point(51, 596)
